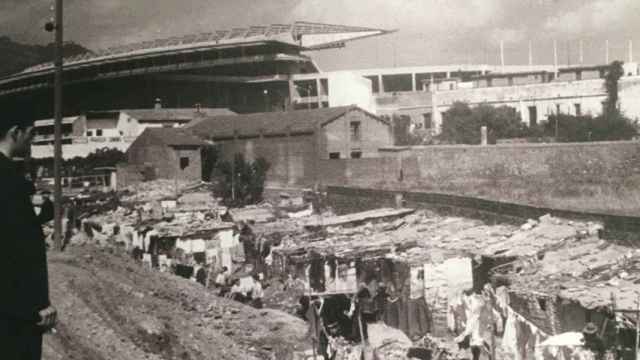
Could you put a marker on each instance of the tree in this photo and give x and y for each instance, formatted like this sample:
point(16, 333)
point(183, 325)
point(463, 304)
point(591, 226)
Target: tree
point(611, 79)
point(461, 124)
point(588, 128)
point(242, 184)
point(105, 157)
point(210, 154)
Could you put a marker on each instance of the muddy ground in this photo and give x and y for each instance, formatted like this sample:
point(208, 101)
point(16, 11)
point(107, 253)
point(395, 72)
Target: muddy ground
point(112, 308)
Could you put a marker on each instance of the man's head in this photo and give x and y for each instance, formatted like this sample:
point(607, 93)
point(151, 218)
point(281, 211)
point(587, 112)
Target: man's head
point(590, 330)
point(15, 138)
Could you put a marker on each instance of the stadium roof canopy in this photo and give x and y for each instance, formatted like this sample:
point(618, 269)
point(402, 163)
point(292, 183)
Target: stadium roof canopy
point(303, 35)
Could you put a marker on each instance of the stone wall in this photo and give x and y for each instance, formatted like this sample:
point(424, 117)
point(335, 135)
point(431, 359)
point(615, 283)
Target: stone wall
point(536, 174)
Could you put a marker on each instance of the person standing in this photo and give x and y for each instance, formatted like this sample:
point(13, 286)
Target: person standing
point(257, 292)
point(25, 310)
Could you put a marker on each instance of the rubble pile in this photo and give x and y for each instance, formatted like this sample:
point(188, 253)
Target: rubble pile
point(156, 190)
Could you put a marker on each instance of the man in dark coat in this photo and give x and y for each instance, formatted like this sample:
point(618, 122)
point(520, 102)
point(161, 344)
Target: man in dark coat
point(25, 310)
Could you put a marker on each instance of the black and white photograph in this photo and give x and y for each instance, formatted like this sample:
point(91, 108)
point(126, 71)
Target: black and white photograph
point(319, 180)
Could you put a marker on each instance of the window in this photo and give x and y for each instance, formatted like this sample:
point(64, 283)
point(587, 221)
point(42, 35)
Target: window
point(375, 86)
point(397, 82)
point(334, 155)
point(578, 109)
point(184, 163)
point(543, 304)
point(533, 115)
point(355, 130)
point(99, 132)
point(427, 120)
point(89, 133)
point(356, 154)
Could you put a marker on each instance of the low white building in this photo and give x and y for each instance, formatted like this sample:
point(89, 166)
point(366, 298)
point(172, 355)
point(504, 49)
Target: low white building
point(115, 129)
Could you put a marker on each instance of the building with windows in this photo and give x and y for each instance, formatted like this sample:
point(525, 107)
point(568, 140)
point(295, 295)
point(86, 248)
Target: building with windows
point(535, 95)
point(294, 141)
point(84, 134)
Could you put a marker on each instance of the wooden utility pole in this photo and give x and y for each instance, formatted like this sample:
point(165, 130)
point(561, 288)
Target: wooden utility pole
point(637, 357)
point(57, 152)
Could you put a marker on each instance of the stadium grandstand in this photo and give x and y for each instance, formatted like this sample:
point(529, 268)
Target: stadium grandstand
point(244, 69)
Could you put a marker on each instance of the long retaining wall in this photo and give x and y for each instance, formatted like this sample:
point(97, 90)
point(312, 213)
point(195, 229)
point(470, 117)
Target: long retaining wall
point(593, 177)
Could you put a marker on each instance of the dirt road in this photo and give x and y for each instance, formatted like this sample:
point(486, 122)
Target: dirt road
point(112, 308)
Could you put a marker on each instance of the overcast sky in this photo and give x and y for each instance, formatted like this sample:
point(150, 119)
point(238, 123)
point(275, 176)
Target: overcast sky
point(429, 31)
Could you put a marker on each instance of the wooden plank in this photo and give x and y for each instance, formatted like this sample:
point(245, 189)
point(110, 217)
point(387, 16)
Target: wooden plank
point(355, 218)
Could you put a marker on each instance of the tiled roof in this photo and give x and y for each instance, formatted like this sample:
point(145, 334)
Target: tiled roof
point(269, 123)
point(173, 136)
point(186, 114)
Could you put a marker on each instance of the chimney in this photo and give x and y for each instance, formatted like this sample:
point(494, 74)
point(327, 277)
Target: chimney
point(158, 104)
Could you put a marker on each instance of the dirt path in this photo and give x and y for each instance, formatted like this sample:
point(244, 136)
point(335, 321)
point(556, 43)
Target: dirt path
point(111, 308)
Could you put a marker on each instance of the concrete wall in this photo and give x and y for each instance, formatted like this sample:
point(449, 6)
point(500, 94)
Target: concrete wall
point(346, 88)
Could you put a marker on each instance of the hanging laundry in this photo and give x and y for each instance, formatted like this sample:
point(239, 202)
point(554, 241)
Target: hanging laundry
point(146, 260)
point(458, 274)
point(509, 342)
point(417, 282)
point(184, 245)
point(225, 258)
point(198, 246)
point(227, 239)
point(147, 239)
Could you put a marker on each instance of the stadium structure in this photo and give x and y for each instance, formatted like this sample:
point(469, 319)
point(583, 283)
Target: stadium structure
point(268, 68)
point(244, 69)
